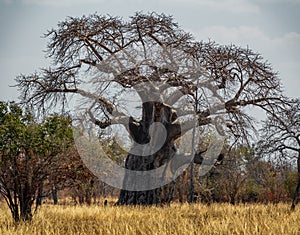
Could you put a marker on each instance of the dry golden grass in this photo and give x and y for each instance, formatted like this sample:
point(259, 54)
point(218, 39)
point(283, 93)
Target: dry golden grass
point(174, 219)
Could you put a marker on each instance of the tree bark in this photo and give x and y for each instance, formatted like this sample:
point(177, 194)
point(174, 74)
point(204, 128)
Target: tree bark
point(26, 202)
point(139, 131)
point(39, 197)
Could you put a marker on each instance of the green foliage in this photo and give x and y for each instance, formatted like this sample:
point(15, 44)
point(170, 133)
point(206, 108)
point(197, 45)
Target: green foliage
point(252, 191)
point(12, 130)
point(30, 152)
point(290, 183)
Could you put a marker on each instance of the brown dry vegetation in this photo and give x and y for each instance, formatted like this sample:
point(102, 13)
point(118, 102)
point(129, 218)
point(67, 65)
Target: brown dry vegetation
point(174, 219)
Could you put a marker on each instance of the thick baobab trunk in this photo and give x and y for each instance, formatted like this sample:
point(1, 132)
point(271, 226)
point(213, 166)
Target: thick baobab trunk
point(296, 193)
point(140, 133)
point(146, 163)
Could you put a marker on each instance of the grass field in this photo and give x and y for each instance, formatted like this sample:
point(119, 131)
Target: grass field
point(174, 219)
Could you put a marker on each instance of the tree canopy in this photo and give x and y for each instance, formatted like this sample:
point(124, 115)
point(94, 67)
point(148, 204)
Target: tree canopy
point(79, 45)
point(31, 154)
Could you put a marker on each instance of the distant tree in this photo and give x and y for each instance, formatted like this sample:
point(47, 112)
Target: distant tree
point(232, 173)
point(81, 47)
point(226, 180)
point(30, 154)
point(70, 173)
point(281, 137)
point(245, 176)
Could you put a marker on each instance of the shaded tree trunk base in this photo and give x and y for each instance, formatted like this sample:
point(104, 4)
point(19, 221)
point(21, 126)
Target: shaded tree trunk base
point(54, 196)
point(296, 195)
point(156, 196)
point(150, 197)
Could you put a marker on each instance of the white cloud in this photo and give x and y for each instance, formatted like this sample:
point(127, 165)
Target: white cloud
point(235, 6)
point(283, 48)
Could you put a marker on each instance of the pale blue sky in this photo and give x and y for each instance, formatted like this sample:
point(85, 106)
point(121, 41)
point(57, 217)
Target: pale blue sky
point(270, 27)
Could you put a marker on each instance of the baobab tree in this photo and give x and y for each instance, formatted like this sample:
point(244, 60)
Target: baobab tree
point(281, 137)
point(99, 58)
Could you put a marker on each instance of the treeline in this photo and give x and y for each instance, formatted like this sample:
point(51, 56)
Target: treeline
point(242, 177)
point(38, 160)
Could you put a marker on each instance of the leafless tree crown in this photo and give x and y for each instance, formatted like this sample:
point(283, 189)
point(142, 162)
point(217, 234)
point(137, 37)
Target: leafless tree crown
point(78, 46)
point(281, 132)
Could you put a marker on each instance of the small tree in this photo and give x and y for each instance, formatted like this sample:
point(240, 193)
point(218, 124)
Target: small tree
point(30, 153)
point(281, 137)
